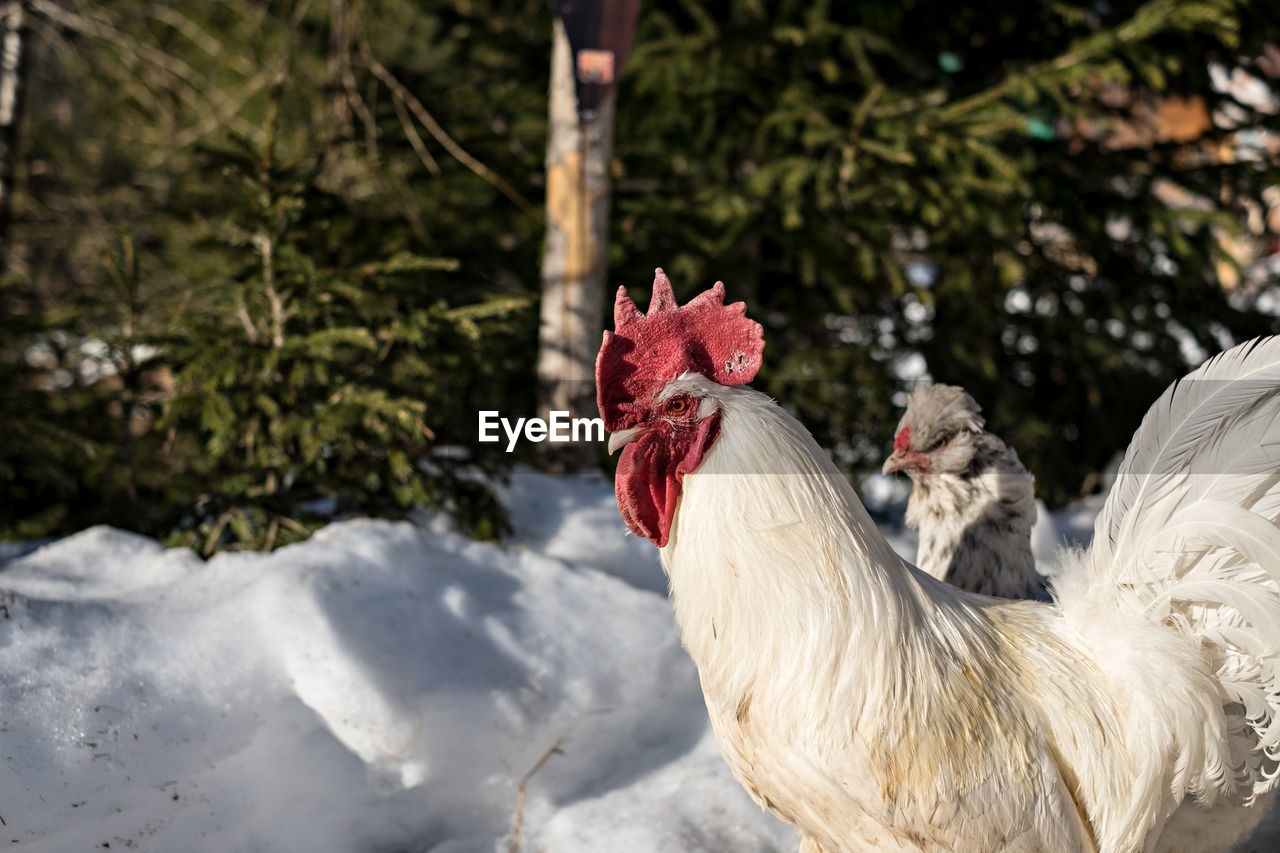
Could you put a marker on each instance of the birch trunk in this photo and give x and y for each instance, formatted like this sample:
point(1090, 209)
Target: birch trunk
point(573, 266)
point(11, 32)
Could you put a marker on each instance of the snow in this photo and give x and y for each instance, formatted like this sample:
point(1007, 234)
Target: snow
point(382, 686)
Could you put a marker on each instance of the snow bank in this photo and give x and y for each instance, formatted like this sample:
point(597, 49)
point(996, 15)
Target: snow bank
point(381, 686)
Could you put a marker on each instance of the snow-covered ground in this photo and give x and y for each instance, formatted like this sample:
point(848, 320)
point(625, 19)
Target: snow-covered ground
point(383, 686)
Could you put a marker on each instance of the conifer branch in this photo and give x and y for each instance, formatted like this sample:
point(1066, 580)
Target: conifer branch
point(1144, 23)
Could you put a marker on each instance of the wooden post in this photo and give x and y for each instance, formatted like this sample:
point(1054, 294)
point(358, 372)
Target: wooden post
point(573, 266)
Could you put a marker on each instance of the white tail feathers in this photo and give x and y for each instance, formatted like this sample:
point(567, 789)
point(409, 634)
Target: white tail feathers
point(1191, 530)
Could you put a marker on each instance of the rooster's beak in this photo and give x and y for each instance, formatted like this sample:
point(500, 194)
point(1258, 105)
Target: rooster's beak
point(896, 462)
point(623, 437)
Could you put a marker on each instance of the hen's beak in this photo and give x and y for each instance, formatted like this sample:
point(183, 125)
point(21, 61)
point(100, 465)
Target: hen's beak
point(623, 437)
point(896, 462)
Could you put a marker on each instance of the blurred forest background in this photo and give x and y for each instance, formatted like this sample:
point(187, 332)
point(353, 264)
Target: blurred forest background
point(264, 261)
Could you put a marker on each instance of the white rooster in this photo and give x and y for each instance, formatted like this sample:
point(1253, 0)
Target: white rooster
point(877, 708)
point(972, 501)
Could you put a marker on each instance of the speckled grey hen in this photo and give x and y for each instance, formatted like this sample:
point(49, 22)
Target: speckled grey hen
point(972, 501)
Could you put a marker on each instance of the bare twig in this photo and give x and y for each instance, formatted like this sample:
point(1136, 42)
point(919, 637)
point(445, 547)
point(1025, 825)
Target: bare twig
point(295, 526)
point(299, 12)
point(438, 133)
point(348, 98)
point(250, 441)
point(339, 56)
point(200, 38)
point(341, 62)
point(279, 313)
point(404, 198)
point(227, 108)
point(192, 85)
point(242, 311)
point(272, 531)
point(414, 138)
point(524, 782)
point(103, 29)
point(214, 534)
point(357, 102)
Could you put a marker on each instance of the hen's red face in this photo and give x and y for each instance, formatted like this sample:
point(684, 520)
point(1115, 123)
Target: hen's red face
point(910, 457)
point(667, 444)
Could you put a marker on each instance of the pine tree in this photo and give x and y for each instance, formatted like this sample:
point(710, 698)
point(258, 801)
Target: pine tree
point(883, 184)
point(41, 454)
point(323, 384)
point(81, 390)
point(886, 179)
point(137, 105)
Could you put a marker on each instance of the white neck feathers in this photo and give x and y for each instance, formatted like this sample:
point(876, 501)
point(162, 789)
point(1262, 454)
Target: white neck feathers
point(781, 581)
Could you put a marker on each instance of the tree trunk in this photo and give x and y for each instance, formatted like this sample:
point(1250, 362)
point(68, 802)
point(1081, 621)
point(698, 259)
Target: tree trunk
point(11, 31)
point(573, 267)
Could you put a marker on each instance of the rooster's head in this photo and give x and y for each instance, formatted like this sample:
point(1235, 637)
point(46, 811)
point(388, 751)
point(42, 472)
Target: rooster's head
point(660, 418)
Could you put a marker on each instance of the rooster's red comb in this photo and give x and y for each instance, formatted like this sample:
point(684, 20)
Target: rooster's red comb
point(645, 351)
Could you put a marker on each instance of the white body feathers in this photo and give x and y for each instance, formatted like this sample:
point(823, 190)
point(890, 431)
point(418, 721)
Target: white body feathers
point(877, 708)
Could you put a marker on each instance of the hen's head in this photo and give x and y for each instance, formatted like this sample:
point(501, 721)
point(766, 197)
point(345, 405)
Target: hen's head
point(939, 433)
point(646, 387)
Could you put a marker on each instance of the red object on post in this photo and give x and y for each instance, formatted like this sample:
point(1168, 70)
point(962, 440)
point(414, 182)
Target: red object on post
point(600, 33)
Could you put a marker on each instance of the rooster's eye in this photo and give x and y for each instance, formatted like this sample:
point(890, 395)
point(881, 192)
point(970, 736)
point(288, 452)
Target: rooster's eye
point(937, 445)
point(677, 405)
